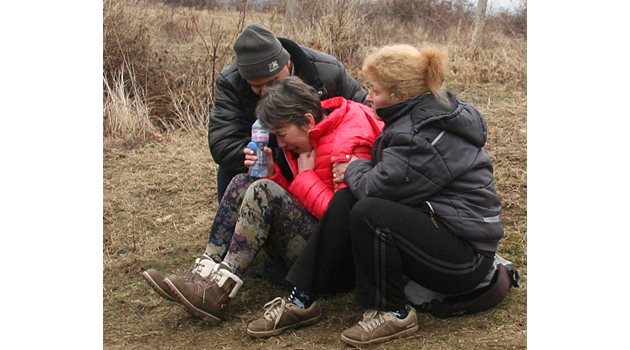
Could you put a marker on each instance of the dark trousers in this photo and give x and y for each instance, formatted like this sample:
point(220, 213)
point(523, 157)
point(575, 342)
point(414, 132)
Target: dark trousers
point(390, 240)
point(224, 176)
point(326, 266)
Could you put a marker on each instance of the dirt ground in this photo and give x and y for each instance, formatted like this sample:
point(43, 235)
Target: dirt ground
point(159, 201)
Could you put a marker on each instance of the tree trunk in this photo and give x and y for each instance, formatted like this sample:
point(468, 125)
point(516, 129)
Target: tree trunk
point(480, 22)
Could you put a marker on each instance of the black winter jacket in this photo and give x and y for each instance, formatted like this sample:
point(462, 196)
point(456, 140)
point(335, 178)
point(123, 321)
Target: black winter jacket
point(233, 113)
point(430, 156)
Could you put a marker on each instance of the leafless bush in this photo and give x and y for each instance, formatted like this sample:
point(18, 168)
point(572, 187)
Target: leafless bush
point(178, 25)
point(435, 17)
point(192, 95)
point(177, 52)
point(511, 23)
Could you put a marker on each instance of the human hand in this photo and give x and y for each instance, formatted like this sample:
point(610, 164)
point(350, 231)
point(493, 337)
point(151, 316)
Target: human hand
point(339, 170)
point(306, 161)
point(250, 158)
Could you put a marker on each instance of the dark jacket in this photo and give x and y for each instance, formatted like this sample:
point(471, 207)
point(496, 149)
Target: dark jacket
point(233, 113)
point(430, 156)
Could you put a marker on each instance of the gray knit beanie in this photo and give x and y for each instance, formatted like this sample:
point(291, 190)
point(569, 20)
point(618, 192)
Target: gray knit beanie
point(259, 53)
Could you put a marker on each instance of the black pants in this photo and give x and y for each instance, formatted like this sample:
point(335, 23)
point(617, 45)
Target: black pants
point(326, 265)
point(390, 240)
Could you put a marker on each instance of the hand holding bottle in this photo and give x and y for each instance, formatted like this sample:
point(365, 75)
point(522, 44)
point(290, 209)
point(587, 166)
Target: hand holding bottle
point(260, 137)
point(251, 158)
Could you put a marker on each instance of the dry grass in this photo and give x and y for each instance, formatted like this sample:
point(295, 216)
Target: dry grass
point(126, 114)
point(160, 191)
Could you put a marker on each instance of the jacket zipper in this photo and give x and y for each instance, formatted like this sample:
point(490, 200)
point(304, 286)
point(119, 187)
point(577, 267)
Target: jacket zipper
point(431, 212)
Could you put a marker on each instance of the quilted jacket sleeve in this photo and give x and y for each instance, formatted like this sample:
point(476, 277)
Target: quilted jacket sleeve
point(405, 174)
point(228, 128)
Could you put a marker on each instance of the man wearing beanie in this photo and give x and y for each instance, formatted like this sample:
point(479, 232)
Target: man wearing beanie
point(262, 60)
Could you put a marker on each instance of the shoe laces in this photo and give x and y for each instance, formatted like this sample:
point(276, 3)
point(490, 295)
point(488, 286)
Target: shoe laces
point(207, 282)
point(372, 319)
point(195, 269)
point(274, 309)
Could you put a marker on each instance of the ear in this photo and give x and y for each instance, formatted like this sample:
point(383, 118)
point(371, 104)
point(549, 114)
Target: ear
point(310, 121)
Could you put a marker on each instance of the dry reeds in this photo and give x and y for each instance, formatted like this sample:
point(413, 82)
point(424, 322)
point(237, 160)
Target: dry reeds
point(126, 114)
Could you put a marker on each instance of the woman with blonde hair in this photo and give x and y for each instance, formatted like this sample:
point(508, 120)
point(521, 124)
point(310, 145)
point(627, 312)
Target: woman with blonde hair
point(427, 207)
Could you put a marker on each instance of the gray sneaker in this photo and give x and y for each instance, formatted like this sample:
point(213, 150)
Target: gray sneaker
point(281, 314)
point(380, 326)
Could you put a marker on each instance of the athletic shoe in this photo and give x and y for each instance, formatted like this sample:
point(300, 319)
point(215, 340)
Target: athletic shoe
point(281, 314)
point(380, 326)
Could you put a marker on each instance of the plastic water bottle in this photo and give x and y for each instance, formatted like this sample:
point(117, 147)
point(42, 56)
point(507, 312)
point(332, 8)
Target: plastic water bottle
point(260, 138)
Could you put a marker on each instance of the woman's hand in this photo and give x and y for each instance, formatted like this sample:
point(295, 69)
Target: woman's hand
point(339, 170)
point(306, 161)
point(250, 159)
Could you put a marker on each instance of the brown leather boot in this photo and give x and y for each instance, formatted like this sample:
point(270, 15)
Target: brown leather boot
point(201, 267)
point(207, 297)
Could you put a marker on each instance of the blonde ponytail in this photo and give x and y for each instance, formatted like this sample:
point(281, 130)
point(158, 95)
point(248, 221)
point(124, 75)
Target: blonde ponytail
point(436, 60)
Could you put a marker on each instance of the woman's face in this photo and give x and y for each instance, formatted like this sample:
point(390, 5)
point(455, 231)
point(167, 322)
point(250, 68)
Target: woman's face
point(294, 138)
point(378, 97)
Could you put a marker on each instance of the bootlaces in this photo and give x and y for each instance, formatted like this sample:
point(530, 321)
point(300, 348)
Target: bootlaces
point(211, 279)
point(195, 269)
point(273, 310)
point(371, 319)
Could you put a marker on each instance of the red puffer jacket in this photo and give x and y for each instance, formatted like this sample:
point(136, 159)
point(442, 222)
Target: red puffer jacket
point(350, 129)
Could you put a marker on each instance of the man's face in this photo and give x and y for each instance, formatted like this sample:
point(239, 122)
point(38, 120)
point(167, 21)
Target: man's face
point(259, 86)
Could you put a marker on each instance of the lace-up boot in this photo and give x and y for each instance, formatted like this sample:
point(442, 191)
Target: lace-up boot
point(207, 297)
point(281, 314)
point(380, 326)
point(201, 267)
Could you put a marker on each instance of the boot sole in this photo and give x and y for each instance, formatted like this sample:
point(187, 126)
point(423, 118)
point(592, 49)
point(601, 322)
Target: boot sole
point(357, 343)
point(157, 288)
point(207, 317)
point(265, 334)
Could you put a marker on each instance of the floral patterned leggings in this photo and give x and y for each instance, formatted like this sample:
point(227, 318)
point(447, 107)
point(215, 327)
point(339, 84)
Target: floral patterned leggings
point(254, 214)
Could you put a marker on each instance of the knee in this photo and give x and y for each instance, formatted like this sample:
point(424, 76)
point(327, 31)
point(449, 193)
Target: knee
point(239, 181)
point(344, 195)
point(365, 207)
point(361, 215)
point(262, 184)
point(263, 187)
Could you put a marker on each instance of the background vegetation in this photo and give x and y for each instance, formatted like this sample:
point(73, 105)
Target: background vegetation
point(160, 60)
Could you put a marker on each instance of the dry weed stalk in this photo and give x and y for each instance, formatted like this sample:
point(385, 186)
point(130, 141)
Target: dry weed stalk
point(125, 110)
